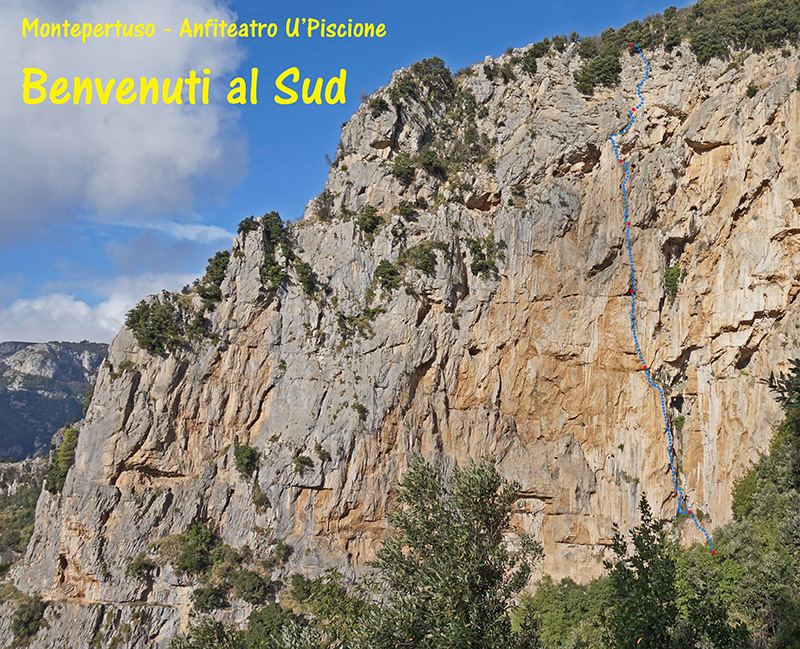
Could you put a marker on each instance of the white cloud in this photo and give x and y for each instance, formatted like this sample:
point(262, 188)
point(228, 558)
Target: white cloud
point(60, 316)
point(191, 231)
point(111, 160)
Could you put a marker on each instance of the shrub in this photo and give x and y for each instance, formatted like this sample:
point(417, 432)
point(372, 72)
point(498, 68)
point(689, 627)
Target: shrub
point(587, 48)
point(209, 288)
point(274, 228)
point(265, 623)
point(192, 559)
point(299, 587)
point(260, 499)
point(434, 76)
point(28, 618)
point(281, 552)
point(368, 220)
point(306, 276)
point(208, 597)
point(485, 253)
point(323, 205)
point(321, 452)
point(247, 225)
point(403, 168)
point(422, 256)
point(377, 106)
point(529, 65)
point(430, 162)
point(752, 90)
point(272, 273)
point(208, 633)
point(797, 84)
point(679, 421)
point(387, 276)
point(672, 276)
point(195, 555)
point(707, 42)
point(139, 566)
point(217, 266)
point(361, 409)
point(156, 327)
point(61, 462)
point(249, 586)
point(245, 458)
point(406, 210)
point(302, 463)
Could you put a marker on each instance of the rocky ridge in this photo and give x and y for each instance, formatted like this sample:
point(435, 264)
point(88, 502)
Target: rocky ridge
point(521, 349)
point(42, 387)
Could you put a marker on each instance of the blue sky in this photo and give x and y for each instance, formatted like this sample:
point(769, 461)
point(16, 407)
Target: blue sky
point(104, 204)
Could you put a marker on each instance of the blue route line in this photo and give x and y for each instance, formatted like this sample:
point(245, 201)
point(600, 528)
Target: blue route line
point(681, 496)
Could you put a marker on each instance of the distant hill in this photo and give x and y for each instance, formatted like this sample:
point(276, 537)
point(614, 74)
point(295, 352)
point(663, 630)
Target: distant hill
point(43, 386)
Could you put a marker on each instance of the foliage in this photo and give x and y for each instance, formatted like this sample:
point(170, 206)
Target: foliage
point(386, 275)
point(265, 623)
point(139, 566)
point(558, 609)
point(428, 79)
point(249, 586)
point(787, 385)
point(28, 618)
point(302, 463)
point(485, 254)
point(245, 458)
point(259, 498)
point(61, 462)
point(208, 633)
point(446, 576)
point(603, 69)
point(156, 327)
point(209, 597)
point(369, 220)
point(377, 106)
point(422, 256)
point(430, 162)
point(403, 168)
point(361, 409)
point(587, 48)
point(299, 587)
point(305, 274)
point(672, 277)
point(209, 287)
point(17, 512)
point(406, 210)
point(195, 555)
point(321, 452)
point(642, 582)
point(323, 205)
point(274, 228)
point(272, 273)
point(247, 225)
point(752, 90)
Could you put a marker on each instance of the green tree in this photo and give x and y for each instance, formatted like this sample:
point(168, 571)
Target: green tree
point(245, 458)
point(645, 608)
point(387, 276)
point(446, 577)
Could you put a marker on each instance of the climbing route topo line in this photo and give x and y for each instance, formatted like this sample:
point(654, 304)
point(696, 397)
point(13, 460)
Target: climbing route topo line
point(682, 508)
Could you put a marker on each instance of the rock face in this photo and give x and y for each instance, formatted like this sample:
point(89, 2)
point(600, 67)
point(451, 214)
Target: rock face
point(42, 388)
point(534, 363)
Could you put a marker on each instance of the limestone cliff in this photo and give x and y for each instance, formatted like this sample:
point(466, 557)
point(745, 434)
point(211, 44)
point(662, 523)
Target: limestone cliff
point(533, 363)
